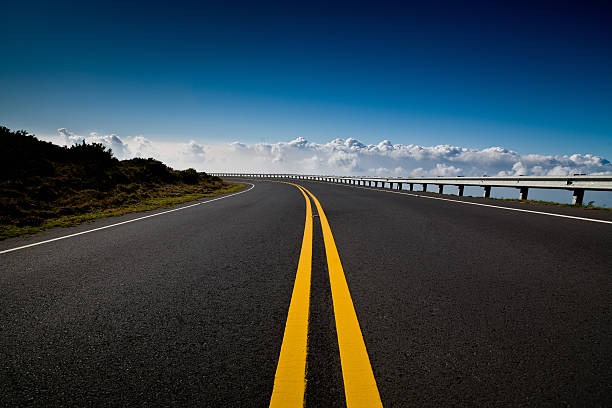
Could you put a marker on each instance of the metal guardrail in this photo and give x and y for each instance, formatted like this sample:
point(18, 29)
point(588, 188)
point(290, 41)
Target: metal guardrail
point(577, 183)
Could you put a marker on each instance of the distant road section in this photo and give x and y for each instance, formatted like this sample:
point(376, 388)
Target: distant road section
point(457, 304)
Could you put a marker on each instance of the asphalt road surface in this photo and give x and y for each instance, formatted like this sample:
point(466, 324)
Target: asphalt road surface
point(456, 304)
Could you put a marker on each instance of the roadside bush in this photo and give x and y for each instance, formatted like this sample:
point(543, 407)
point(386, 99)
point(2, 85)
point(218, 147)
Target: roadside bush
point(190, 176)
point(95, 154)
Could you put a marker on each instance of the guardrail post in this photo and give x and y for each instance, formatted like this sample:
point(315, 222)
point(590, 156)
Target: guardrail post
point(524, 192)
point(460, 193)
point(487, 192)
point(440, 188)
point(578, 196)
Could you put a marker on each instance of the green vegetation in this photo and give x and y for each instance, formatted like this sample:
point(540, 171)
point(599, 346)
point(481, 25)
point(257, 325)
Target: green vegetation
point(43, 185)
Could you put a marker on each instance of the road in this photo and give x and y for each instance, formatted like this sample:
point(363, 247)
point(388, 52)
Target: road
point(457, 304)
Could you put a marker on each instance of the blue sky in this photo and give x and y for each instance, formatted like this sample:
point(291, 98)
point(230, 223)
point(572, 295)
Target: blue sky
point(531, 77)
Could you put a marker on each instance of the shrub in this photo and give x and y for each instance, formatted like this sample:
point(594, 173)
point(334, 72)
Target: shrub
point(95, 154)
point(190, 176)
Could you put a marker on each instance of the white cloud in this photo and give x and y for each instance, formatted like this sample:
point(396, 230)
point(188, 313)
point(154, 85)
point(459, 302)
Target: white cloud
point(112, 141)
point(345, 157)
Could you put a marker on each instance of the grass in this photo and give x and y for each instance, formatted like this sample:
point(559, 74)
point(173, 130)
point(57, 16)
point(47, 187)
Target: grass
point(161, 197)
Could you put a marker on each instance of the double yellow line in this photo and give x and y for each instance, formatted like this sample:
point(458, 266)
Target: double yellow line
point(290, 380)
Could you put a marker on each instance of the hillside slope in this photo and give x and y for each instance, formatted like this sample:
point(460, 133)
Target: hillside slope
point(44, 185)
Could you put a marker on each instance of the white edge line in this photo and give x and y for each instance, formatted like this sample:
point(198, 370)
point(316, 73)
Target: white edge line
point(125, 222)
point(467, 202)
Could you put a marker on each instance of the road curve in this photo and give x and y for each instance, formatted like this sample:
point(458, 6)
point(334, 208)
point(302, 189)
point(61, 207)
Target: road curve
point(458, 305)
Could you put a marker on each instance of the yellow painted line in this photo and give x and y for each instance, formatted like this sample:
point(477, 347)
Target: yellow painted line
point(290, 378)
point(359, 383)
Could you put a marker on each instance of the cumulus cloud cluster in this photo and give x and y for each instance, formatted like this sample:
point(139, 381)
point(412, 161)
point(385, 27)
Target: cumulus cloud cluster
point(351, 157)
point(346, 157)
